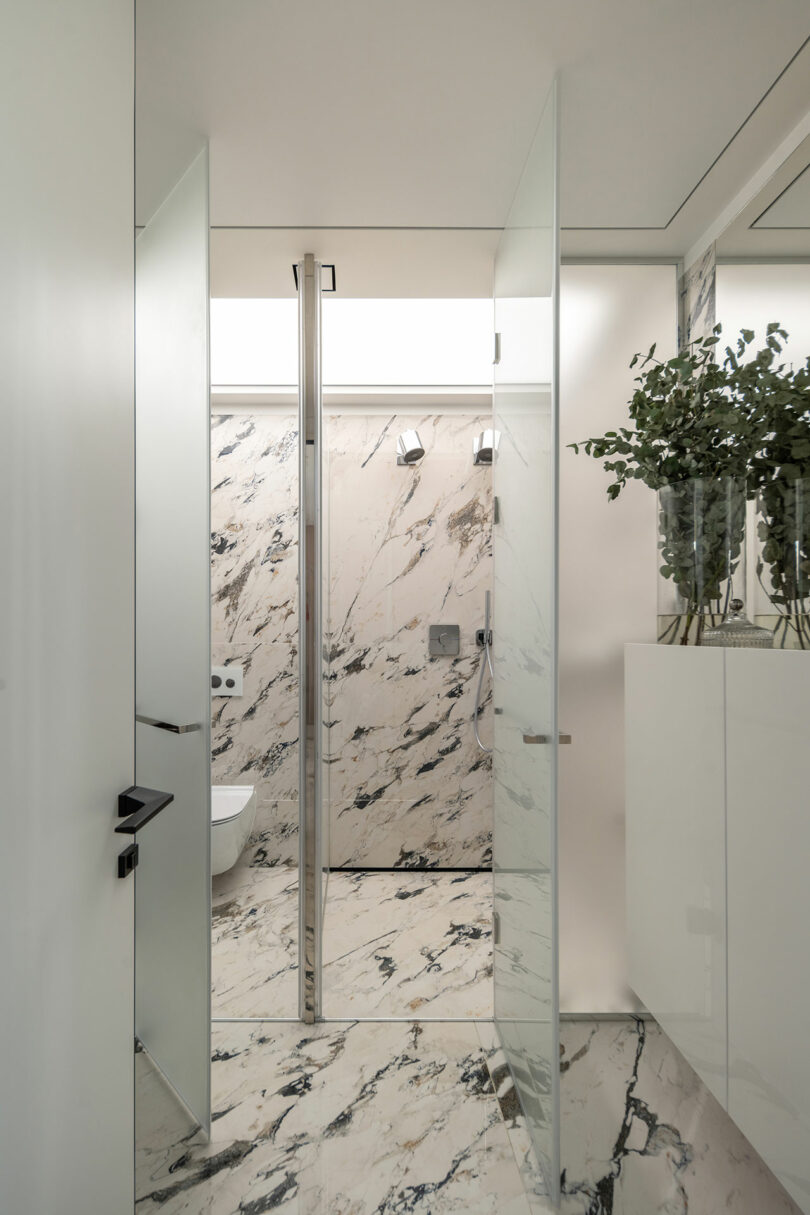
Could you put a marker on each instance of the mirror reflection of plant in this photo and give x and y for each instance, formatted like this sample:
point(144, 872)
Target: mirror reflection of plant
point(693, 419)
point(783, 564)
point(780, 471)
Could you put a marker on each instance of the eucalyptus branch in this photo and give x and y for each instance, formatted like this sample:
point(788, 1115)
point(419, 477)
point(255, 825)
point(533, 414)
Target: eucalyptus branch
point(702, 416)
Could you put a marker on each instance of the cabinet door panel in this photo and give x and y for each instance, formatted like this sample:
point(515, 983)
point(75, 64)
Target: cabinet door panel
point(676, 848)
point(768, 706)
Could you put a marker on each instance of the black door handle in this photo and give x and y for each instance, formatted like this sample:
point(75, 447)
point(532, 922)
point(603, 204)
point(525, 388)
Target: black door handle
point(137, 806)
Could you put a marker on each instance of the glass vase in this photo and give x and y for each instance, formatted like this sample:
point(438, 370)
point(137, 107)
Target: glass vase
point(701, 556)
point(783, 562)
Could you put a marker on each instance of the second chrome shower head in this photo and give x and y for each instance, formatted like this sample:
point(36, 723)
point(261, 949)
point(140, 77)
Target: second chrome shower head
point(409, 447)
point(485, 446)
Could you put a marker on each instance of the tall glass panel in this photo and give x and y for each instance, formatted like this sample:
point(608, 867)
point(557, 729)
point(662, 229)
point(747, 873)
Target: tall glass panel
point(172, 695)
point(525, 644)
point(254, 629)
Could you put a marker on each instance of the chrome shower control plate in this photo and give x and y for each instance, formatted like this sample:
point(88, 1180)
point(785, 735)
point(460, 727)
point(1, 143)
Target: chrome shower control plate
point(444, 640)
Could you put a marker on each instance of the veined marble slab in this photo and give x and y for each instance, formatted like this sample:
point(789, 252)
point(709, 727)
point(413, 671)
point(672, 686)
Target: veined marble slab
point(395, 944)
point(405, 548)
point(642, 1135)
point(254, 942)
point(407, 944)
point(348, 1119)
point(254, 613)
point(408, 547)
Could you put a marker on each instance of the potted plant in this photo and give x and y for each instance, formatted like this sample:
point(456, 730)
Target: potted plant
point(698, 427)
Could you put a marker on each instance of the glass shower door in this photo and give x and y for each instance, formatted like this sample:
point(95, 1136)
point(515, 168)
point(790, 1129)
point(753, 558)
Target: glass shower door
point(172, 644)
point(525, 644)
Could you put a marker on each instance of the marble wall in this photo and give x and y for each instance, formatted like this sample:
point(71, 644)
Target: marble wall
point(404, 547)
point(254, 616)
point(408, 547)
point(697, 292)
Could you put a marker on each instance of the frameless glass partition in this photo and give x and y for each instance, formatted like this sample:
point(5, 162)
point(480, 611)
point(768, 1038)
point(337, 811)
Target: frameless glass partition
point(172, 748)
point(255, 634)
point(525, 644)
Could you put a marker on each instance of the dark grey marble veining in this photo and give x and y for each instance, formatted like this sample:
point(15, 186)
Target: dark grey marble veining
point(408, 547)
point(395, 944)
point(405, 547)
point(641, 1134)
point(350, 1119)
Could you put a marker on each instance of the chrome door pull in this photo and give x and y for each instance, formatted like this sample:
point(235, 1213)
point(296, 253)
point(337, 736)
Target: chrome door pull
point(167, 725)
point(544, 738)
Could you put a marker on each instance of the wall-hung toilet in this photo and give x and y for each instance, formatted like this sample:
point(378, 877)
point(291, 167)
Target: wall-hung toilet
point(233, 810)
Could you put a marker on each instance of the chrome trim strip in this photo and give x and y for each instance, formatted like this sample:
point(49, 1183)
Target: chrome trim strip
point(167, 725)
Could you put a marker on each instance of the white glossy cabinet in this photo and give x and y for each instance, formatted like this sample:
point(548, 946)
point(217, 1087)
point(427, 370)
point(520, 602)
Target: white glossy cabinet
point(676, 848)
point(718, 841)
point(768, 812)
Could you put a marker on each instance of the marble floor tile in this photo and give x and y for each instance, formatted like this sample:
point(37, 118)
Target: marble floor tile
point(341, 1119)
point(642, 1135)
point(503, 1083)
point(348, 1118)
point(254, 942)
point(408, 944)
point(395, 944)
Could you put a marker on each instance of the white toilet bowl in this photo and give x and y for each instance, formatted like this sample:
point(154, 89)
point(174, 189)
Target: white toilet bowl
point(233, 810)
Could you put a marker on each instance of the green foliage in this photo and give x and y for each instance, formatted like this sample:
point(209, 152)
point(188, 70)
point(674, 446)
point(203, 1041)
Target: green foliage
point(695, 418)
point(783, 566)
point(691, 416)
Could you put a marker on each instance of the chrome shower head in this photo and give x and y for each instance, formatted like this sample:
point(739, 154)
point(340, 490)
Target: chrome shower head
point(485, 446)
point(409, 447)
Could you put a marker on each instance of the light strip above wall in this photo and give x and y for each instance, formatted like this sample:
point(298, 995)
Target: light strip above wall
point(367, 343)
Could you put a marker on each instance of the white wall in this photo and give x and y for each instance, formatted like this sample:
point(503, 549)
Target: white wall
point(66, 600)
point(607, 597)
point(749, 297)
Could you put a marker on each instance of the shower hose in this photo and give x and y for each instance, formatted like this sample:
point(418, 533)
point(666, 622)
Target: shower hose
point(486, 661)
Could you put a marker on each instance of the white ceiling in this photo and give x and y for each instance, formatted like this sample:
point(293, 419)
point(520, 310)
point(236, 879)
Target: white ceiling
point(791, 209)
point(775, 221)
point(370, 262)
point(365, 114)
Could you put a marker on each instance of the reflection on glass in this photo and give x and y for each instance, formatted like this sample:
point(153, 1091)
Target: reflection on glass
point(525, 646)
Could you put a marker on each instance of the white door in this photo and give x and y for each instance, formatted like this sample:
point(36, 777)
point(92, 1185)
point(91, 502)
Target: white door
point(66, 606)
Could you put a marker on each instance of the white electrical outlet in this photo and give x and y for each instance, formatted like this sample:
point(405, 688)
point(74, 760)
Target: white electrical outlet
point(226, 681)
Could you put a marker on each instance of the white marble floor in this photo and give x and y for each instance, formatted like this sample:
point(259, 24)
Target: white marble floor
point(396, 944)
point(389, 1118)
point(337, 1119)
point(642, 1135)
point(349, 1118)
point(409, 943)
